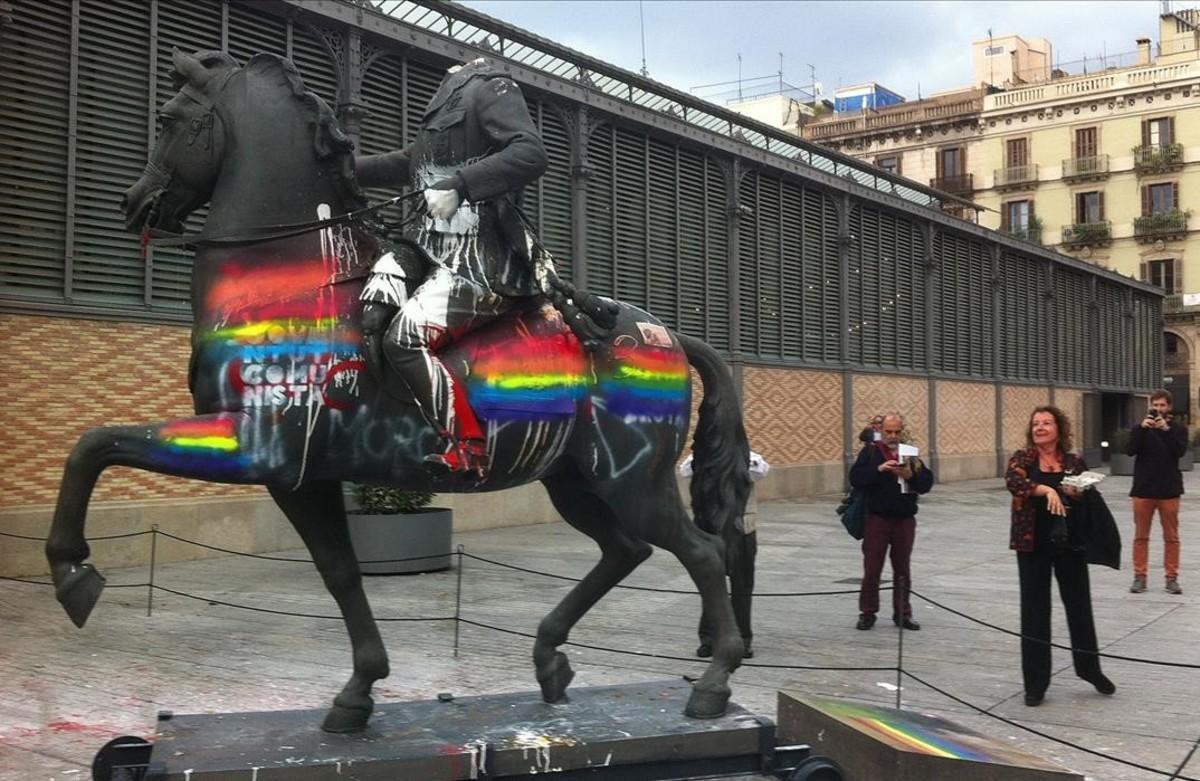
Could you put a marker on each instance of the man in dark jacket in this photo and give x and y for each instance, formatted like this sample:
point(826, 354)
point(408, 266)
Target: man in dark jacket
point(1157, 443)
point(477, 147)
point(892, 485)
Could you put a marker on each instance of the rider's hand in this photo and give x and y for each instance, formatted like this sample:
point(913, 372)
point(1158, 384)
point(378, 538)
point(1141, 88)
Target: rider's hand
point(442, 204)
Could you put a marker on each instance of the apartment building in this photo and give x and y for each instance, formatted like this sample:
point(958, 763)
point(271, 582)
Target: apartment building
point(1102, 165)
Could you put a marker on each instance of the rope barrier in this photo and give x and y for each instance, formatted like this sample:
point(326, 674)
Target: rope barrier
point(1049, 737)
point(48, 583)
point(649, 655)
point(757, 594)
point(1136, 659)
point(285, 612)
point(101, 537)
point(288, 559)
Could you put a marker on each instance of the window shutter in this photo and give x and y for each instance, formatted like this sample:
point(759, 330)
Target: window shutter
point(662, 219)
point(601, 228)
point(1174, 195)
point(1101, 196)
point(1031, 215)
point(1143, 270)
point(1170, 125)
point(940, 166)
point(1145, 201)
point(630, 214)
point(553, 192)
point(34, 70)
point(1178, 286)
point(1145, 133)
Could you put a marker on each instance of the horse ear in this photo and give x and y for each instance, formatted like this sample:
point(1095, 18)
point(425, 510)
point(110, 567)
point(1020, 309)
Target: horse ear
point(190, 68)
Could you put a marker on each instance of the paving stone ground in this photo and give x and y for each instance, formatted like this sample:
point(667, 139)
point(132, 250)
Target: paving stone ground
point(64, 692)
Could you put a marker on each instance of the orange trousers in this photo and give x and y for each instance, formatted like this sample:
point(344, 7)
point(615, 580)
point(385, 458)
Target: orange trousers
point(1143, 518)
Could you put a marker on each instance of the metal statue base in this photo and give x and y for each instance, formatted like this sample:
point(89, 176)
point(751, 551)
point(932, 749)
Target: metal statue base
point(634, 731)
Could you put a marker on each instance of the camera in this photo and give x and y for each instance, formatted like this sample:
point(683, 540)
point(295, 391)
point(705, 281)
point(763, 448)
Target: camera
point(1153, 413)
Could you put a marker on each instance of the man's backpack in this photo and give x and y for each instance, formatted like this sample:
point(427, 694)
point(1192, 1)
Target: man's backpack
point(853, 512)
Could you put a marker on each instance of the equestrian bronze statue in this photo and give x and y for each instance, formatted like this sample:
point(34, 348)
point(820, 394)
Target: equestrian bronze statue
point(284, 396)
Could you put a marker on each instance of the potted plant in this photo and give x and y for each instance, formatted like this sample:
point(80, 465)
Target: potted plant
point(395, 531)
point(1118, 462)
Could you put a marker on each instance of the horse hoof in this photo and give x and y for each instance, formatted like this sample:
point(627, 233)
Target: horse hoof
point(343, 719)
point(78, 587)
point(707, 703)
point(555, 680)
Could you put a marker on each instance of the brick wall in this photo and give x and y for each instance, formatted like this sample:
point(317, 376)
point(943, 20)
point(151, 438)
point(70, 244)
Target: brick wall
point(62, 377)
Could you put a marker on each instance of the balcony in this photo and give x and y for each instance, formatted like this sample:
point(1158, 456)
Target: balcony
point(1087, 234)
point(1164, 225)
point(1157, 158)
point(964, 184)
point(1085, 168)
point(1031, 233)
point(1016, 177)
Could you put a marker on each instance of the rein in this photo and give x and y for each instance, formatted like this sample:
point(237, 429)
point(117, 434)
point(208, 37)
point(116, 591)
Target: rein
point(157, 238)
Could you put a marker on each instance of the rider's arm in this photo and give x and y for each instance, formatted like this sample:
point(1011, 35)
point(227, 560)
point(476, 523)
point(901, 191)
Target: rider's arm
point(390, 169)
point(519, 157)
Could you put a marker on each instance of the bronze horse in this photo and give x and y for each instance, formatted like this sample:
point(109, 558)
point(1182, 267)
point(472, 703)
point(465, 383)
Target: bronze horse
point(283, 398)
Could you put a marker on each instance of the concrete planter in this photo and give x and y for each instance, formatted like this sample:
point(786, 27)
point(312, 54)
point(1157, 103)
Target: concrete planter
point(377, 538)
point(1186, 460)
point(1120, 464)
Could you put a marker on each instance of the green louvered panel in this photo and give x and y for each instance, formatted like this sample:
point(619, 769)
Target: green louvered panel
point(600, 227)
point(1071, 333)
point(34, 75)
point(314, 63)
point(964, 308)
point(663, 235)
point(902, 304)
point(1147, 316)
point(1020, 315)
point(253, 32)
point(692, 288)
point(863, 288)
point(629, 214)
point(422, 82)
point(716, 207)
point(792, 271)
point(1111, 334)
point(191, 27)
point(747, 292)
point(767, 276)
point(382, 128)
point(112, 136)
point(553, 191)
point(822, 306)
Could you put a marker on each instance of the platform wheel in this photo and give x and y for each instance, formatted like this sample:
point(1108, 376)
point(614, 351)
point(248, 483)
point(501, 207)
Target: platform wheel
point(122, 759)
point(818, 769)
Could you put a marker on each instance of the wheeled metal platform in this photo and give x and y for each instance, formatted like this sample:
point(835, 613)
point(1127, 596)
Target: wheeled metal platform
point(634, 731)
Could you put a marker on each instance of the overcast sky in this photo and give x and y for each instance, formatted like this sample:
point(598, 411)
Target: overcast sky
point(898, 44)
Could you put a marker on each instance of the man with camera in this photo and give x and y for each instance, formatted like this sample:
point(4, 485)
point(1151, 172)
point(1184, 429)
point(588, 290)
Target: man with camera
point(892, 484)
point(1156, 442)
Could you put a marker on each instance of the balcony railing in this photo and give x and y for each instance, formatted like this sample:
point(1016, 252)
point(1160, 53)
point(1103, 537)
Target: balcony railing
point(1016, 176)
point(955, 185)
point(1087, 234)
point(1164, 225)
point(1156, 158)
point(1091, 167)
point(1030, 233)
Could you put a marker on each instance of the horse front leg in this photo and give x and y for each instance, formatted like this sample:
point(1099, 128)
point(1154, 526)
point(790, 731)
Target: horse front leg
point(318, 512)
point(206, 447)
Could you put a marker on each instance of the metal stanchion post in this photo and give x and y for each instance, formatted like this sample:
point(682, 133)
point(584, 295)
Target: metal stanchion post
point(458, 600)
point(900, 664)
point(153, 556)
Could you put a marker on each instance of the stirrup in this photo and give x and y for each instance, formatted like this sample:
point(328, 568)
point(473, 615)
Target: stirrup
point(466, 457)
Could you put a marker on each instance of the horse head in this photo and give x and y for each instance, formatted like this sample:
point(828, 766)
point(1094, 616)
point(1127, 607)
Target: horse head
point(231, 124)
point(185, 162)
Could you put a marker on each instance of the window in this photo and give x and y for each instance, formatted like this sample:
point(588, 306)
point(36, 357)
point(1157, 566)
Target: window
point(950, 163)
point(992, 51)
point(1158, 132)
point(1160, 198)
point(1162, 273)
point(1015, 216)
point(1086, 142)
point(891, 163)
point(1016, 152)
point(1089, 207)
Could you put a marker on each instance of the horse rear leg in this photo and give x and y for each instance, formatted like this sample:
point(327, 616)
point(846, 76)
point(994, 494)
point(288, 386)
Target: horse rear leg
point(618, 557)
point(206, 447)
point(318, 512)
point(657, 515)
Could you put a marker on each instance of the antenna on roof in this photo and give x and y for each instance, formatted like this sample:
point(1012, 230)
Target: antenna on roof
point(781, 73)
point(739, 75)
point(642, 23)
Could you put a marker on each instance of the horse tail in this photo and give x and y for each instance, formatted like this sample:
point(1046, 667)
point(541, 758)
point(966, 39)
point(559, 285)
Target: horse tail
point(720, 449)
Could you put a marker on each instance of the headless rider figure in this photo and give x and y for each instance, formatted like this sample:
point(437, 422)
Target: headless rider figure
point(476, 148)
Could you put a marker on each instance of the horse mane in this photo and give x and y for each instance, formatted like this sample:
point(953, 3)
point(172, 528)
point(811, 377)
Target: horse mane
point(334, 149)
